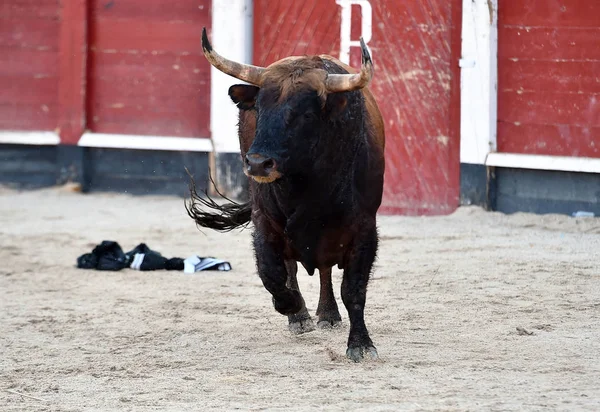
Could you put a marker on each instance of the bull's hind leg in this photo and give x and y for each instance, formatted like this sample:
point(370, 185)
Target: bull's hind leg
point(354, 293)
point(300, 322)
point(328, 312)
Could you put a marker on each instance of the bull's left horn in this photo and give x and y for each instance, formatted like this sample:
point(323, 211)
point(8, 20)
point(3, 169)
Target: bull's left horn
point(246, 72)
point(349, 82)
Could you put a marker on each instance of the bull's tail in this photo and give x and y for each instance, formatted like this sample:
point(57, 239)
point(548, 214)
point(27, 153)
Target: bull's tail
point(212, 215)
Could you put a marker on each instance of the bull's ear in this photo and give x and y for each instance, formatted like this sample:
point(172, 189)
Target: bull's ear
point(243, 95)
point(335, 104)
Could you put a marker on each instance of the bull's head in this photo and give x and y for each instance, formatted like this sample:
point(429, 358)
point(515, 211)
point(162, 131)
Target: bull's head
point(295, 99)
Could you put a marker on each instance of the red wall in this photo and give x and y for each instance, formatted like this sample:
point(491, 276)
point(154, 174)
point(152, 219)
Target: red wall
point(415, 47)
point(29, 72)
point(147, 74)
point(549, 77)
point(128, 67)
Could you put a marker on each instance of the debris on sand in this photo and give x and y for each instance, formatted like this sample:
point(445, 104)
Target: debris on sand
point(523, 332)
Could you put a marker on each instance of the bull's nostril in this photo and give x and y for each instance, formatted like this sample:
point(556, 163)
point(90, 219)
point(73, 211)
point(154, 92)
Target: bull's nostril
point(259, 165)
point(269, 164)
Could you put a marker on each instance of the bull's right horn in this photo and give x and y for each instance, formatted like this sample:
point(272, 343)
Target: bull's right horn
point(350, 82)
point(246, 72)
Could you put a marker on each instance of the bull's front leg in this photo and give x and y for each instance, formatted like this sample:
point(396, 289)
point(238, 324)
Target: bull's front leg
point(300, 322)
point(272, 271)
point(354, 293)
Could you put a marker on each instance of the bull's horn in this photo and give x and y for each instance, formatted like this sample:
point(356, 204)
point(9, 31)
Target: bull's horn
point(349, 82)
point(245, 72)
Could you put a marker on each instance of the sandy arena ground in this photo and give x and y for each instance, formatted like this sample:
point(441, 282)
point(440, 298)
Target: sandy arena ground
point(474, 311)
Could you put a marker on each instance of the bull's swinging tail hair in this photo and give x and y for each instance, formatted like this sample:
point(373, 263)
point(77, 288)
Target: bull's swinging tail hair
point(227, 217)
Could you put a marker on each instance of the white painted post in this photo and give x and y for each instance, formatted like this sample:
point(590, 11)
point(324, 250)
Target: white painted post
point(479, 80)
point(346, 41)
point(231, 36)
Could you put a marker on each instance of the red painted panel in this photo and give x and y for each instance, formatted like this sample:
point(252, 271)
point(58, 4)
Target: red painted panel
point(555, 13)
point(150, 77)
point(18, 116)
point(147, 74)
point(549, 108)
point(73, 57)
point(180, 10)
point(272, 40)
point(29, 38)
point(30, 62)
point(27, 89)
point(558, 140)
point(39, 34)
point(549, 88)
point(415, 48)
point(27, 9)
point(158, 121)
point(549, 43)
point(557, 76)
point(137, 35)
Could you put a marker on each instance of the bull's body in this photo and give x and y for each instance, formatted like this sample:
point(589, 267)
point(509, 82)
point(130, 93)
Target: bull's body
point(316, 162)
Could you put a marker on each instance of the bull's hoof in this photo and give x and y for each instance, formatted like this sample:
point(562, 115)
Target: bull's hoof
point(328, 323)
point(300, 322)
point(358, 353)
point(329, 319)
point(301, 326)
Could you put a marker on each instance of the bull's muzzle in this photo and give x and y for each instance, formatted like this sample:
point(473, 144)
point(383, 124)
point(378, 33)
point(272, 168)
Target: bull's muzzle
point(262, 169)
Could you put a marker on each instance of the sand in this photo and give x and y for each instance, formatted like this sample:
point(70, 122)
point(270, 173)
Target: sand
point(472, 311)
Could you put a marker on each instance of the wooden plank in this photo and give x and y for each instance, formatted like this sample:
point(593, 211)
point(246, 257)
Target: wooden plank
point(138, 35)
point(180, 10)
point(16, 116)
point(73, 55)
point(555, 13)
point(30, 9)
point(30, 34)
point(182, 120)
point(157, 90)
point(29, 89)
point(28, 62)
point(548, 43)
point(148, 61)
point(558, 76)
point(553, 140)
point(549, 108)
point(159, 95)
point(129, 75)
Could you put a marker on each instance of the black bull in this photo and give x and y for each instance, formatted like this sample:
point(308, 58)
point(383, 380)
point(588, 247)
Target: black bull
point(312, 142)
